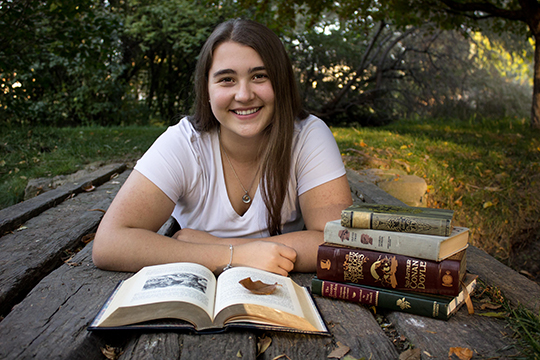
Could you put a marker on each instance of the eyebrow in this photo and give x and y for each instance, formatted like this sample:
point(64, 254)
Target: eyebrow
point(231, 71)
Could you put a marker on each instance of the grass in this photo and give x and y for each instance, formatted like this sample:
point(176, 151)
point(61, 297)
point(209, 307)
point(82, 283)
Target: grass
point(27, 153)
point(488, 172)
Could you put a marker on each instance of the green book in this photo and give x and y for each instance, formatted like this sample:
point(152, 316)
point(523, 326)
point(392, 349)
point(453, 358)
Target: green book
point(439, 307)
point(409, 219)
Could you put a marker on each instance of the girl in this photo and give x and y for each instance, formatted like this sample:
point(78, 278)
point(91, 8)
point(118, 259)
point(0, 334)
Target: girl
point(250, 177)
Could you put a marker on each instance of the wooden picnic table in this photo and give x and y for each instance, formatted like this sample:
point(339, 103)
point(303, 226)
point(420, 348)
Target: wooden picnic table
point(50, 291)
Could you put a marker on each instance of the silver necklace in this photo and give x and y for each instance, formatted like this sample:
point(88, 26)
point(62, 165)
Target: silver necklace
point(245, 198)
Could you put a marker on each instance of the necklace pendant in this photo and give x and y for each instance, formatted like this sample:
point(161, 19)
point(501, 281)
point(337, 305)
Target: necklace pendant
point(246, 198)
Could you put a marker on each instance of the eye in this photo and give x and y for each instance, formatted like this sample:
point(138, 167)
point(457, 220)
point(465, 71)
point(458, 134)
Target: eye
point(260, 77)
point(226, 80)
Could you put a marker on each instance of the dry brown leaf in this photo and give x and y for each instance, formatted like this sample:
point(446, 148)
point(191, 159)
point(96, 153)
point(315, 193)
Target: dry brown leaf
point(88, 237)
point(111, 353)
point(490, 306)
point(258, 287)
point(461, 353)
point(340, 351)
point(88, 187)
point(281, 357)
point(411, 354)
point(103, 211)
point(263, 344)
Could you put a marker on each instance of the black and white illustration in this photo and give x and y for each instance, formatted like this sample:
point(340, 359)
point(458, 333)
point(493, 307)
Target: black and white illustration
point(189, 280)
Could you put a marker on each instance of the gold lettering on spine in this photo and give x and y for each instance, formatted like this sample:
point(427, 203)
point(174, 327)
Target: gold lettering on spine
point(415, 274)
point(353, 267)
point(422, 275)
point(435, 309)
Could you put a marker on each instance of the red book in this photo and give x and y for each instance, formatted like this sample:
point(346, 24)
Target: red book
point(391, 271)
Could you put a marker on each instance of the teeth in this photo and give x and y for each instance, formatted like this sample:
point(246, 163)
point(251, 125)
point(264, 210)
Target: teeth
point(246, 112)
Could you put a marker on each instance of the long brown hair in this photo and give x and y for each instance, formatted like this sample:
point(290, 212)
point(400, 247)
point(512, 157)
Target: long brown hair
point(276, 158)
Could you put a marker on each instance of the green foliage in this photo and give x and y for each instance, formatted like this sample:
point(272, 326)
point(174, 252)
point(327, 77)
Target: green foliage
point(368, 62)
point(92, 62)
point(67, 72)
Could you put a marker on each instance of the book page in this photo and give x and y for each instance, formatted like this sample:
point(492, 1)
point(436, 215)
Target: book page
point(187, 282)
point(230, 291)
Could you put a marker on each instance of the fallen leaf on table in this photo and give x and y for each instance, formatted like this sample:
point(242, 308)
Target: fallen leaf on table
point(340, 351)
point(111, 353)
point(88, 187)
point(411, 354)
point(263, 344)
point(461, 353)
point(258, 287)
point(88, 237)
point(490, 306)
point(281, 357)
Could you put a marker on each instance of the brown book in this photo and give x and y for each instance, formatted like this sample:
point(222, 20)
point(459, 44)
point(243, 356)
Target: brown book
point(392, 271)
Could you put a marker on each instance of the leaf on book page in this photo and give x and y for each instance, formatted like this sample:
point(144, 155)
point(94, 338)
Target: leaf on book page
point(340, 351)
point(461, 353)
point(258, 287)
point(263, 344)
point(411, 354)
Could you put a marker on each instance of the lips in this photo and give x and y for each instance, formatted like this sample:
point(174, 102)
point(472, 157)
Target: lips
point(246, 112)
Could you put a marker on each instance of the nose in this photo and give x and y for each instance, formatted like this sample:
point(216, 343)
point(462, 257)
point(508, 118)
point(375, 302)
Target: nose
point(244, 93)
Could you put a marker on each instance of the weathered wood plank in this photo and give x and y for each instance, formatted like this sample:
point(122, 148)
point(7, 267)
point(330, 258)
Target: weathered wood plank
point(173, 345)
point(489, 338)
point(51, 321)
point(514, 286)
point(28, 255)
point(14, 216)
point(366, 191)
point(350, 324)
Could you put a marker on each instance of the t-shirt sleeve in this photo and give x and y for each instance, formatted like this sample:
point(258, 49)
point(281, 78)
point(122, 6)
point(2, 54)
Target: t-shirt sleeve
point(318, 159)
point(171, 162)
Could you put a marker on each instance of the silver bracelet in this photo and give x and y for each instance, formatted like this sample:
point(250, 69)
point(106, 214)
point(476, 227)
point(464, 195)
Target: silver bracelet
point(229, 265)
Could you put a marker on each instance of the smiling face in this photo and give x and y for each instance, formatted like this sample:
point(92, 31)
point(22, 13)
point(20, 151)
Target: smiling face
point(241, 93)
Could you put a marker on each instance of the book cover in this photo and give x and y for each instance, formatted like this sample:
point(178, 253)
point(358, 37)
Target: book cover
point(439, 307)
point(398, 218)
point(391, 271)
point(187, 295)
point(430, 247)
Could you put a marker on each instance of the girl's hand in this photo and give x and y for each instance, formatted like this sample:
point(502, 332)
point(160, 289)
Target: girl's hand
point(265, 255)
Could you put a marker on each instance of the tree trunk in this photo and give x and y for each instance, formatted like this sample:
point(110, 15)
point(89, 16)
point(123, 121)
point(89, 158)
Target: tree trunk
point(535, 113)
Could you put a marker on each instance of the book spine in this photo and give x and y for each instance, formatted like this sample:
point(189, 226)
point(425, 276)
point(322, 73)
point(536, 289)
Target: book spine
point(385, 270)
point(382, 298)
point(396, 222)
point(425, 246)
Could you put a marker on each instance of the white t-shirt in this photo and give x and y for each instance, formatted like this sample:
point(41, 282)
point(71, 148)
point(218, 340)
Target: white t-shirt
point(186, 165)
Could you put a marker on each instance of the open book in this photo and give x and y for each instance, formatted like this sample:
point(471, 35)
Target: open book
point(191, 292)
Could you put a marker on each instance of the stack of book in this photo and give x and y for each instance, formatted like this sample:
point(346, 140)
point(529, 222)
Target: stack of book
point(401, 258)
